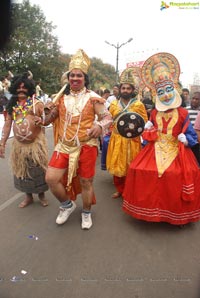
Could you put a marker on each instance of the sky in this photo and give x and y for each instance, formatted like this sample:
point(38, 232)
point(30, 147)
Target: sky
point(88, 24)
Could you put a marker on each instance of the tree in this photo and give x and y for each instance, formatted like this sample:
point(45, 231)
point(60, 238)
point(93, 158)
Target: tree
point(32, 46)
point(101, 75)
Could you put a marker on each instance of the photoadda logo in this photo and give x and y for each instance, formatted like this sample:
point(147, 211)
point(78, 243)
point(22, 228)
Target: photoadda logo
point(179, 5)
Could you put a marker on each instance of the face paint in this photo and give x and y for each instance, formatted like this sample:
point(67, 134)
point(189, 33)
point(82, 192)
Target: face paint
point(76, 79)
point(166, 93)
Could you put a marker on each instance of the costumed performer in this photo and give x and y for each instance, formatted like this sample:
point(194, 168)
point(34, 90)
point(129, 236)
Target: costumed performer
point(29, 154)
point(163, 181)
point(122, 150)
point(72, 166)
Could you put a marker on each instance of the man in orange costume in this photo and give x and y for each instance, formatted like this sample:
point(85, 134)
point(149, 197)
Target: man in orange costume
point(79, 117)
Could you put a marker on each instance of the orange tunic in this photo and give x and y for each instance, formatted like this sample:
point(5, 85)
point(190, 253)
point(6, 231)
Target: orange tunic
point(70, 131)
point(79, 122)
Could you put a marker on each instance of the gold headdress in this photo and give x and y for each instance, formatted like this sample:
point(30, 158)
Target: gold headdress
point(158, 69)
point(127, 76)
point(80, 61)
point(132, 75)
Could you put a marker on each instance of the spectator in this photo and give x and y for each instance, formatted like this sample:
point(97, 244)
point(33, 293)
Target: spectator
point(105, 95)
point(38, 90)
point(185, 97)
point(193, 111)
point(114, 95)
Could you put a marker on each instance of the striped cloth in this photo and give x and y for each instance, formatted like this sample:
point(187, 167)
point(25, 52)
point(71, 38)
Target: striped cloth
point(192, 114)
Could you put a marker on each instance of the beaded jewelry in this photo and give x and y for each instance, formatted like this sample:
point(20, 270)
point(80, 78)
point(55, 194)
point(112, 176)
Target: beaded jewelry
point(22, 109)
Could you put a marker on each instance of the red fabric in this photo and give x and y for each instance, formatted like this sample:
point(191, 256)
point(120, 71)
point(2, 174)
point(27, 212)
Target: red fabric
point(59, 161)
point(188, 192)
point(87, 161)
point(75, 187)
point(87, 164)
point(178, 128)
point(119, 183)
point(150, 134)
point(174, 197)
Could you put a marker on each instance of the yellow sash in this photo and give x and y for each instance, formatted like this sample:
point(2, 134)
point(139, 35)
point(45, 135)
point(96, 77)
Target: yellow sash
point(166, 147)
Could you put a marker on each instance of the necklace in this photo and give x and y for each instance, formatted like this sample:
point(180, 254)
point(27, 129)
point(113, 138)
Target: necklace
point(22, 110)
point(78, 93)
point(74, 107)
point(75, 136)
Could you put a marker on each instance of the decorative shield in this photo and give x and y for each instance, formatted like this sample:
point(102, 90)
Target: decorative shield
point(130, 124)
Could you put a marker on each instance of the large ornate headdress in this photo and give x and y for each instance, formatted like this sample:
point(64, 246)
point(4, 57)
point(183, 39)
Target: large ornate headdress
point(157, 71)
point(132, 75)
point(80, 60)
point(127, 77)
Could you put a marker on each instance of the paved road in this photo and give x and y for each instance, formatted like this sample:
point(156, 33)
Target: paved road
point(119, 257)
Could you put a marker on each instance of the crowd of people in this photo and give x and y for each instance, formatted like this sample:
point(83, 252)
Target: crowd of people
point(148, 132)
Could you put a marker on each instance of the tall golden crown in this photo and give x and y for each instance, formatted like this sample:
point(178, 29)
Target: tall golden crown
point(80, 60)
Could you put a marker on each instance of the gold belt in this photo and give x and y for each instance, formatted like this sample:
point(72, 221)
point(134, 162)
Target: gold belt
point(74, 142)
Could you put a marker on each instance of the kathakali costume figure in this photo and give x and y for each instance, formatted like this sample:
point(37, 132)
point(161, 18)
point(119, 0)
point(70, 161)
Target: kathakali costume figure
point(162, 183)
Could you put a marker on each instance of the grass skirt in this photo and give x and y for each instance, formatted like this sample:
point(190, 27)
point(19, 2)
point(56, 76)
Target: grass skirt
point(29, 163)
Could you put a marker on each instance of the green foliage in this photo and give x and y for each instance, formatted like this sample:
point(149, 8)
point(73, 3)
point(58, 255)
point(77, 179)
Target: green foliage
point(32, 46)
point(102, 76)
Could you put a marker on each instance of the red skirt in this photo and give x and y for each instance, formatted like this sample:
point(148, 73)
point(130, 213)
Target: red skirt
point(174, 197)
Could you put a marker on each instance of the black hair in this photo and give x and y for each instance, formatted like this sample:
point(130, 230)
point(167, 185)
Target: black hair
point(183, 104)
point(133, 94)
point(185, 90)
point(2, 78)
point(15, 83)
point(106, 91)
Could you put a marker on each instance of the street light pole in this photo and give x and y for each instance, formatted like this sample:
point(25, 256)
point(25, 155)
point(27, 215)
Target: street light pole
point(117, 63)
point(118, 46)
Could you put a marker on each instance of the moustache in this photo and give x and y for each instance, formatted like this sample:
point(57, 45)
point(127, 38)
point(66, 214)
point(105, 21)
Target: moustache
point(126, 95)
point(24, 92)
